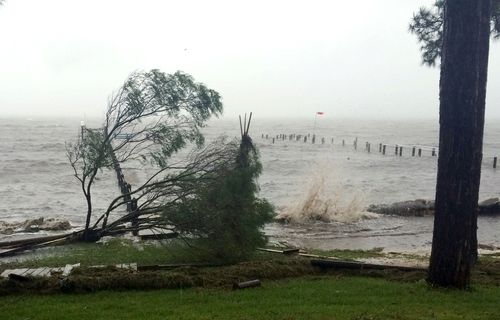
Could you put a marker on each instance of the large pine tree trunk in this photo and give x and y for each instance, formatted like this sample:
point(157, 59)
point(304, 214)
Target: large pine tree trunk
point(464, 64)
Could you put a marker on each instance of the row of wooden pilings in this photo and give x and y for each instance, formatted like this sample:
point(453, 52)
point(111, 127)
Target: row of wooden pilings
point(382, 148)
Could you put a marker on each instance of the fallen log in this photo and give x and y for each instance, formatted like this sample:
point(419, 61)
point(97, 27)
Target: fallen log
point(35, 243)
point(174, 266)
point(354, 265)
point(246, 284)
point(21, 242)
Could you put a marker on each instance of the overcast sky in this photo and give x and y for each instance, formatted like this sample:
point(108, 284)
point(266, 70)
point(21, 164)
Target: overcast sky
point(275, 58)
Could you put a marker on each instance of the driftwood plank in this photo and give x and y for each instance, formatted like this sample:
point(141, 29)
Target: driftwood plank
point(284, 251)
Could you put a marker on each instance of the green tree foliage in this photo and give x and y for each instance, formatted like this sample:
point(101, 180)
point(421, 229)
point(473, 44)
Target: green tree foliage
point(225, 209)
point(151, 117)
point(427, 25)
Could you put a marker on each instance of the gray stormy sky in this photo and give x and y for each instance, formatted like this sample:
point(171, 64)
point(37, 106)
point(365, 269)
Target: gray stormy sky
point(275, 58)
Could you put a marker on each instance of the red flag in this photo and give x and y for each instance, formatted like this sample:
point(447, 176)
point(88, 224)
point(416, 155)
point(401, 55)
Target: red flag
point(320, 113)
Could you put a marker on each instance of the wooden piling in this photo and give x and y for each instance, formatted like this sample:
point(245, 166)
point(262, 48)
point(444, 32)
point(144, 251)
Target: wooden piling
point(419, 152)
point(343, 143)
point(379, 147)
point(323, 140)
point(413, 151)
point(383, 149)
point(494, 162)
point(396, 150)
point(400, 151)
point(368, 148)
point(313, 140)
point(433, 152)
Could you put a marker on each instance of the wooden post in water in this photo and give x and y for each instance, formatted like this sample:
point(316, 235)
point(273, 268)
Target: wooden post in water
point(343, 143)
point(433, 152)
point(313, 140)
point(383, 149)
point(305, 139)
point(419, 152)
point(368, 147)
point(273, 140)
point(400, 151)
point(323, 140)
point(396, 150)
point(82, 126)
point(355, 143)
point(379, 147)
point(332, 140)
point(267, 136)
point(494, 162)
point(413, 151)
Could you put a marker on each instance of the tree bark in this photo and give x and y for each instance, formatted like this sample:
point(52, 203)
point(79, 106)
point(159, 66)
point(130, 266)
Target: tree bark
point(462, 104)
point(89, 215)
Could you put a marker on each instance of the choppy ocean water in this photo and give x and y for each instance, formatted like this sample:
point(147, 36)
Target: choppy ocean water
point(36, 179)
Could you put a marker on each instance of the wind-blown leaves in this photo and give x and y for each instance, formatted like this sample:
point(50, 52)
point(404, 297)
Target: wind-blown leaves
point(427, 25)
point(151, 117)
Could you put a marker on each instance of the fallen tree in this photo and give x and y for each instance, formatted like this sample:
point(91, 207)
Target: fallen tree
point(151, 117)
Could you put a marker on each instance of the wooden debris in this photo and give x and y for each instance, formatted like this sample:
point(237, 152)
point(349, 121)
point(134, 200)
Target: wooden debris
point(160, 236)
point(18, 278)
point(68, 268)
point(128, 266)
point(246, 284)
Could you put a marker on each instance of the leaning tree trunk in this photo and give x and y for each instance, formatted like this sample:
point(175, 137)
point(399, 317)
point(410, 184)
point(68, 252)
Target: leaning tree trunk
point(464, 64)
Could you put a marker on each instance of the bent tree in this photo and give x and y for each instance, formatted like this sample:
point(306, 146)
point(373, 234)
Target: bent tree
point(151, 117)
point(464, 65)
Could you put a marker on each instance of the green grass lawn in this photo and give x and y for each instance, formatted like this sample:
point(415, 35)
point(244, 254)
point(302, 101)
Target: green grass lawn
point(292, 288)
point(120, 250)
point(304, 298)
